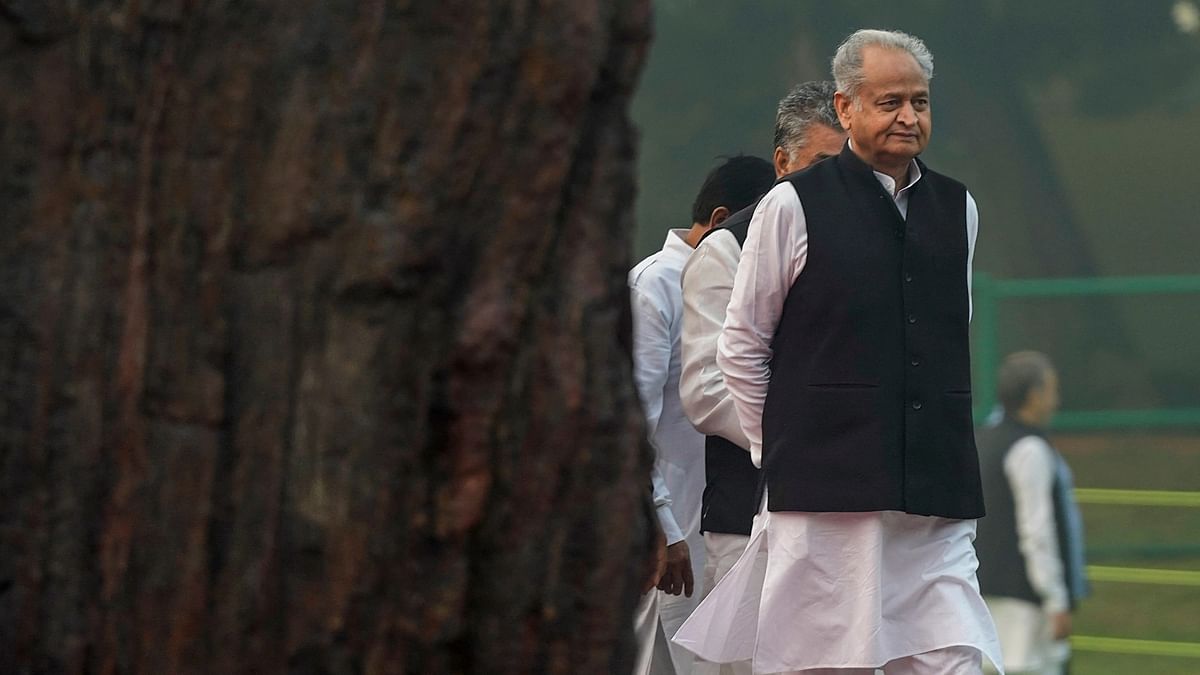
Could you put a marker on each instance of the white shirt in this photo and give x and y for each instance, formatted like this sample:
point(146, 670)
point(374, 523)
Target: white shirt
point(774, 255)
point(1030, 468)
point(662, 506)
point(707, 285)
point(657, 306)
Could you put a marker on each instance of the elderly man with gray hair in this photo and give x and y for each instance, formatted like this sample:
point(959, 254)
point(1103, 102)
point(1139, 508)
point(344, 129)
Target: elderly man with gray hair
point(845, 349)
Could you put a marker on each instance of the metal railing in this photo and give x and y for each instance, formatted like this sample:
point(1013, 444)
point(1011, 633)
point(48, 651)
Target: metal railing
point(988, 293)
point(1138, 575)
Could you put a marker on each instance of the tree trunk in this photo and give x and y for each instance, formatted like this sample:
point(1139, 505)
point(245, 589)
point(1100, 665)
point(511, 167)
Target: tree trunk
point(309, 337)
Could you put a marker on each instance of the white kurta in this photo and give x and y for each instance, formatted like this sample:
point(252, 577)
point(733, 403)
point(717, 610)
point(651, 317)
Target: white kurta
point(828, 590)
point(657, 304)
point(707, 283)
point(844, 590)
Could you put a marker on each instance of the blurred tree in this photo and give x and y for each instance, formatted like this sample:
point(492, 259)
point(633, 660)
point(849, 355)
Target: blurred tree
point(310, 325)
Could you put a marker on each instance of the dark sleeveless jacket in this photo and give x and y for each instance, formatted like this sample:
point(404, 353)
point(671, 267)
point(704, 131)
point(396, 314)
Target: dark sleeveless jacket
point(1002, 568)
point(869, 402)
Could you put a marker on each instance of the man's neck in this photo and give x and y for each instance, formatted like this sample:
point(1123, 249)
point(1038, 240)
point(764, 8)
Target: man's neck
point(1029, 419)
point(900, 175)
point(695, 234)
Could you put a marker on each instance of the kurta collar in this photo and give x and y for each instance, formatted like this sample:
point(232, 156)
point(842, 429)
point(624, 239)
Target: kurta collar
point(676, 244)
point(1022, 427)
point(852, 161)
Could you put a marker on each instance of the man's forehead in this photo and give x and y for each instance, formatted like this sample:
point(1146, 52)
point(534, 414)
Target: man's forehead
point(889, 60)
point(887, 54)
point(914, 89)
point(900, 80)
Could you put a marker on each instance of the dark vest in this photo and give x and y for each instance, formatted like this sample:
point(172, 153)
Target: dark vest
point(731, 488)
point(869, 402)
point(1002, 571)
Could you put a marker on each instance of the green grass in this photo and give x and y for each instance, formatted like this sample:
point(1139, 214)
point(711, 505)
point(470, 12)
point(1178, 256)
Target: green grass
point(1144, 537)
point(1091, 663)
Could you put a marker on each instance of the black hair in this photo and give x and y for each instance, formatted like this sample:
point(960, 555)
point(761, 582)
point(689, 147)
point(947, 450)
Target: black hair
point(735, 184)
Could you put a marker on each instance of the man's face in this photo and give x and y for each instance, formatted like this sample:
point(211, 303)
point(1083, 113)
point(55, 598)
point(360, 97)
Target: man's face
point(820, 142)
point(1045, 399)
point(890, 120)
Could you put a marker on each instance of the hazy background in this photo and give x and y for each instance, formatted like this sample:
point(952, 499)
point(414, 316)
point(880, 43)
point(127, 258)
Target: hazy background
point(1076, 125)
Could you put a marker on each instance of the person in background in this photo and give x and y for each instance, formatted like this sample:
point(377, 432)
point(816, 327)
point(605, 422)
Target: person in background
point(657, 308)
point(806, 131)
point(1030, 545)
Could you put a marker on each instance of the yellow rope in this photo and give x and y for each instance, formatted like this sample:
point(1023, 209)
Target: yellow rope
point(1142, 575)
point(1137, 497)
point(1108, 645)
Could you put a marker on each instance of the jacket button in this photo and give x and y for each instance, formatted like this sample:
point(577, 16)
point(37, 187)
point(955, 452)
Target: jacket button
point(908, 278)
point(915, 362)
point(912, 318)
point(917, 405)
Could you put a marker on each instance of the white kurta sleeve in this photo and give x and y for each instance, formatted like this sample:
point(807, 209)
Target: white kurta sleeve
point(651, 368)
point(972, 235)
point(707, 284)
point(662, 507)
point(774, 255)
point(1030, 468)
point(651, 356)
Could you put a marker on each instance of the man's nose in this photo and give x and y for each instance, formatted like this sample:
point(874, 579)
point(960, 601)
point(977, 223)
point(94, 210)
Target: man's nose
point(908, 114)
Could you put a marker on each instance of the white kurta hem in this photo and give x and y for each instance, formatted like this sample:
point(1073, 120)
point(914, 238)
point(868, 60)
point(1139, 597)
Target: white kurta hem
point(844, 590)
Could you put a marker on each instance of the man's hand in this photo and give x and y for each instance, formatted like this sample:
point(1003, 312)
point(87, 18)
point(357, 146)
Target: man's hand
point(1060, 625)
point(658, 560)
point(677, 578)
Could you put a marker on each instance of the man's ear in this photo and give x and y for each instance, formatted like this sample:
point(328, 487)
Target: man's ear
point(718, 216)
point(842, 103)
point(782, 163)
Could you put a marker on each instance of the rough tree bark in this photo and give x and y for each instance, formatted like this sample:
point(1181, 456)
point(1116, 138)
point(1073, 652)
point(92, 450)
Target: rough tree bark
point(309, 336)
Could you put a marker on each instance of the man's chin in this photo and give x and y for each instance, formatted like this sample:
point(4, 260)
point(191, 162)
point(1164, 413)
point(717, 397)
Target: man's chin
point(903, 154)
point(903, 150)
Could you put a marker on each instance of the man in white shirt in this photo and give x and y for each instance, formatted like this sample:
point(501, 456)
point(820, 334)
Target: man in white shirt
point(1031, 568)
point(845, 349)
point(657, 310)
point(806, 130)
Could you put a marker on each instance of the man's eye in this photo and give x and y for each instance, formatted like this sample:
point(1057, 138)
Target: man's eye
point(888, 103)
point(921, 103)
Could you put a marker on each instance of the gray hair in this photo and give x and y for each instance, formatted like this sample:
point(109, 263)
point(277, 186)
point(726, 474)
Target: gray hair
point(1019, 375)
point(806, 104)
point(848, 61)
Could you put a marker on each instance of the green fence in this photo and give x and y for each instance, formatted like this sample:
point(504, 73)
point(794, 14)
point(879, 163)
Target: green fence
point(1136, 575)
point(988, 293)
